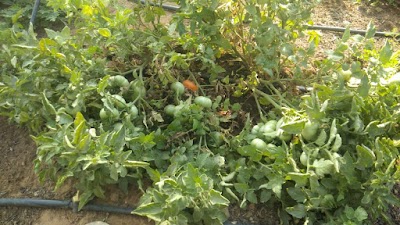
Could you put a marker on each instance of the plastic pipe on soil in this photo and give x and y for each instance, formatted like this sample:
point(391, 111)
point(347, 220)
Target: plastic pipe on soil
point(65, 204)
point(42, 203)
point(363, 32)
point(167, 7)
point(34, 11)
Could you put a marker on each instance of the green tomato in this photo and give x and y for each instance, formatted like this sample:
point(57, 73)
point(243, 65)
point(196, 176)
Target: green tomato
point(203, 101)
point(139, 91)
point(310, 130)
point(118, 81)
point(118, 126)
point(103, 114)
point(114, 114)
point(346, 74)
point(256, 128)
point(283, 136)
point(269, 127)
point(118, 101)
point(217, 137)
point(134, 111)
point(170, 110)
point(259, 144)
point(178, 88)
point(303, 159)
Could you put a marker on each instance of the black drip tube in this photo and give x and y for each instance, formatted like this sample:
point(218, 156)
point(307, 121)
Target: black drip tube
point(362, 32)
point(42, 203)
point(65, 204)
point(34, 11)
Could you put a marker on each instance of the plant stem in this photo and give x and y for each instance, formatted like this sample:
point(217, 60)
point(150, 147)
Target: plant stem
point(259, 107)
point(269, 99)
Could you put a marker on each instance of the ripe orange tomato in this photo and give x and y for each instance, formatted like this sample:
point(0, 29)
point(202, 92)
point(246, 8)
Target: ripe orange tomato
point(190, 85)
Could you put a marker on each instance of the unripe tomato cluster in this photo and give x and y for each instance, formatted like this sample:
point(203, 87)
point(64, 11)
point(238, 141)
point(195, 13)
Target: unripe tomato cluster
point(270, 131)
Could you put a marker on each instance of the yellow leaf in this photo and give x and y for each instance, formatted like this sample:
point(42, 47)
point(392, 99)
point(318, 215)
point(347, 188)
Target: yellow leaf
point(105, 32)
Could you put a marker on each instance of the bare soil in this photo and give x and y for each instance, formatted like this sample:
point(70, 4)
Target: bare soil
point(18, 179)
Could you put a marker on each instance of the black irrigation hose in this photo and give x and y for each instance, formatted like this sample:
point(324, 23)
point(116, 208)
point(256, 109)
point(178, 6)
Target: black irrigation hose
point(34, 11)
point(362, 32)
point(164, 6)
point(65, 204)
point(42, 203)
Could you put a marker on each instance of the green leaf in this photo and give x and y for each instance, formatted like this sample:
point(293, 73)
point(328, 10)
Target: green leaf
point(79, 130)
point(346, 34)
point(105, 32)
point(250, 151)
point(337, 144)
point(265, 195)
point(198, 214)
point(113, 172)
point(360, 214)
point(299, 211)
point(103, 83)
point(135, 164)
point(242, 188)
point(321, 138)
point(301, 179)
point(236, 107)
point(63, 118)
point(151, 210)
point(118, 139)
point(251, 9)
point(216, 198)
point(275, 184)
point(79, 119)
point(364, 87)
point(294, 127)
point(375, 128)
point(328, 201)
point(154, 175)
point(84, 198)
point(251, 197)
point(333, 132)
point(14, 61)
point(370, 31)
point(365, 157)
point(47, 105)
point(385, 53)
point(323, 167)
point(297, 194)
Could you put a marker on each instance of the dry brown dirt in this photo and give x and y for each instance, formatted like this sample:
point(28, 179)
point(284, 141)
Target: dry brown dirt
point(17, 178)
